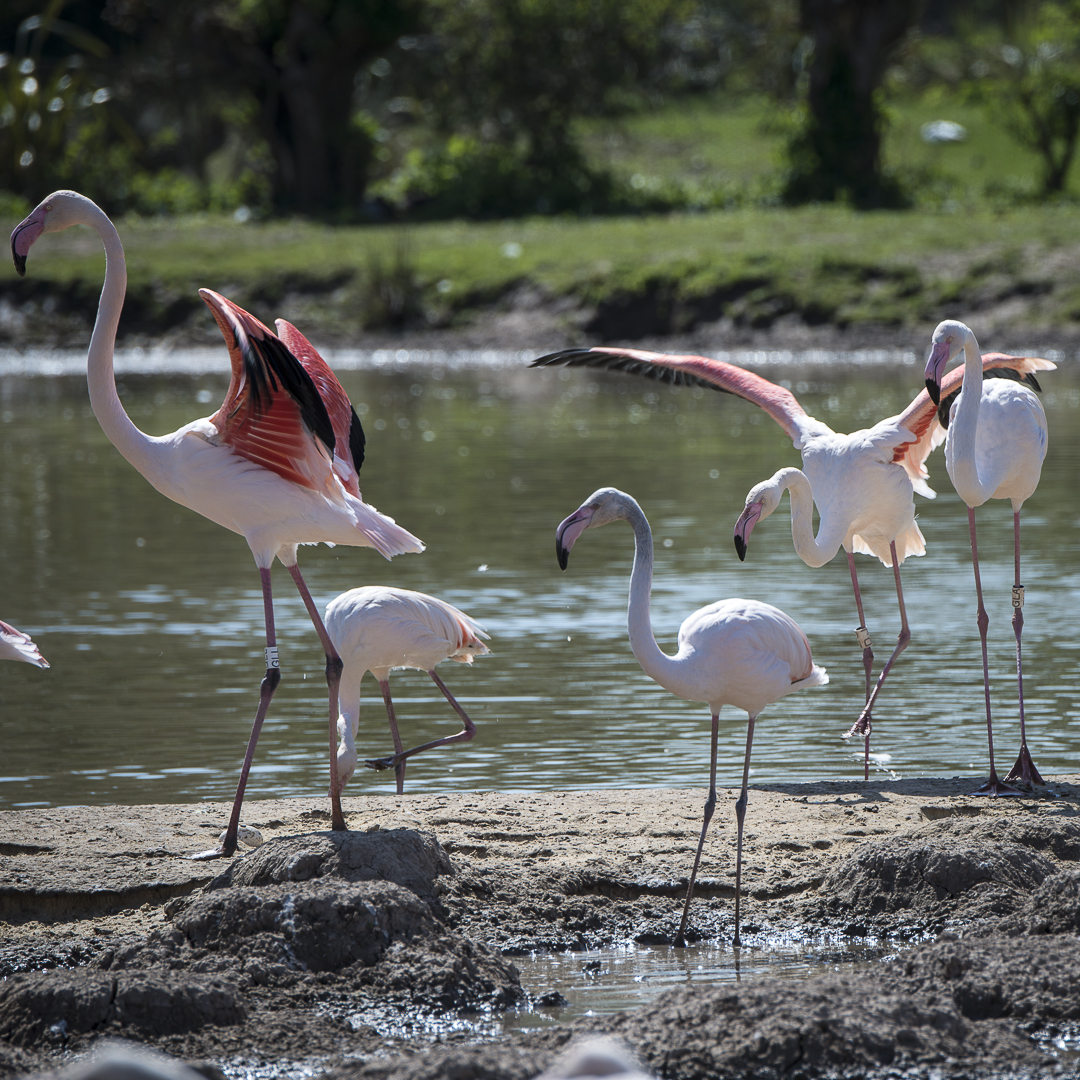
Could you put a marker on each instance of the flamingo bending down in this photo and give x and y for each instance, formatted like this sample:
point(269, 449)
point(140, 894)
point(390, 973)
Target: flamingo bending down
point(15, 645)
point(378, 629)
point(862, 483)
point(734, 652)
point(276, 463)
point(994, 449)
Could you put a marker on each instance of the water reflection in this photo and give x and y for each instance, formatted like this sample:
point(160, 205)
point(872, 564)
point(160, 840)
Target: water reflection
point(152, 617)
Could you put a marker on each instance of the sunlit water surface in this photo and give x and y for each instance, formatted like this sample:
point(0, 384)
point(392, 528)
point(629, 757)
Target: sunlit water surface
point(152, 618)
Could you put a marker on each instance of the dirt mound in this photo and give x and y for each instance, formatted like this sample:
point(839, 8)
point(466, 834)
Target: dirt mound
point(930, 869)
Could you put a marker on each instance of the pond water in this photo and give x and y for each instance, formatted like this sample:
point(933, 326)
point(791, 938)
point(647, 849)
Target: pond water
point(152, 619)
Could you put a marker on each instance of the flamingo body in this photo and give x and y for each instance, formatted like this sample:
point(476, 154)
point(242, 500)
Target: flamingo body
point(277, 463)
point(15, 645)
point(733, 652)
point(381, 629)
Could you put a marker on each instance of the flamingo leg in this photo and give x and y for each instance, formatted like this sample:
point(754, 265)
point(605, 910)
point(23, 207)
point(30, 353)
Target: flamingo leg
point(465, 735)
point(862, 726)
point(1024, 770)
point(740, 814)
point(334, 665)
point(902, 641)
point(993, 786)
point(266, 692)
point(397, 760)
point(710, 806)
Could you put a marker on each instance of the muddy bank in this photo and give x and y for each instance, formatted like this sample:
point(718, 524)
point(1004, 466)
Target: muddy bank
point(340, 953)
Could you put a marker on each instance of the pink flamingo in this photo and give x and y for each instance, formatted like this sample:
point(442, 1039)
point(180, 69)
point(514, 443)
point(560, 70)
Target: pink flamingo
point(861, 483)
point(15, 645)
point(277, 463)
point(994, 449)
point(733, 652)
point(380, 629)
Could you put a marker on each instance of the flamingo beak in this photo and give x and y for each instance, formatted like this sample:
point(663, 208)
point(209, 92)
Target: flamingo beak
point(940, 354)
point(750, 516)
point(568, 532)
point(22, 239)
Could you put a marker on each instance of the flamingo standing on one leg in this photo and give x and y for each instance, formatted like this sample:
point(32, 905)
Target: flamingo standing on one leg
point(276, 463)
point(862, 483)
point(378, 629)
point(15, 645)
point(734, 652)
point(994, 449)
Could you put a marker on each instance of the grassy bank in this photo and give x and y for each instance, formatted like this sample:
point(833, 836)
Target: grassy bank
point(629, 276)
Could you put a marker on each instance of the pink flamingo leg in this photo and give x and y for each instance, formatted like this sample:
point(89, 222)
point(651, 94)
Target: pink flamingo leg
point(863, 723)
point(266, 692)
point(397, 760)
point(465, 735)
point(1024, 770)
point(862, 726)
point(710, 806)
point(334, 665)
point(993, 786)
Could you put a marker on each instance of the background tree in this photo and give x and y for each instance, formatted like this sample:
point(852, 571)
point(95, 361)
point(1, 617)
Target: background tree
point(836, 153)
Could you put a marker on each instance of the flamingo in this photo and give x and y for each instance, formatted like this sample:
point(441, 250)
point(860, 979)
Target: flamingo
point(861, 483)
point(733, 652)
point(994, 449)
point(15, 645)
point(379, 629)
point(276, 463)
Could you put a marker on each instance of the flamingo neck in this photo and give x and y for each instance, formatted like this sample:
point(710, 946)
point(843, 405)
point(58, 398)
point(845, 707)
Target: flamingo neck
point(813, 550)
point(100, 377)
point(963, 430)
point(654, 662)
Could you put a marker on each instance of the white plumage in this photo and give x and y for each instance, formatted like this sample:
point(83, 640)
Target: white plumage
point(734, 652)
point(15, 645)
point(380, 629)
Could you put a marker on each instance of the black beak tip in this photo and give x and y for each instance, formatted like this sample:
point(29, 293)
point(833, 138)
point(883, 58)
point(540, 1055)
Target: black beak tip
point(934, 391)
point(20, 263)
point(740, 548)
point(562, 554)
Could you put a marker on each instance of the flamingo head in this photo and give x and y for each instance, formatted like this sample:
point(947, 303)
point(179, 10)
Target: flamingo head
point(601, 508)
point(763, 499)
point(949, 338)
point(59, 211)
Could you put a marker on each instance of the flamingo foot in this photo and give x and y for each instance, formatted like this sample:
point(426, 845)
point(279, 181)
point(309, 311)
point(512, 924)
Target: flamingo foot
point(379, 764)
point(994, 787)
point(1024, 771)
point(862, 727)
point(213, 853)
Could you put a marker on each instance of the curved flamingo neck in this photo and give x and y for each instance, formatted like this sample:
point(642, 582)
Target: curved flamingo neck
point(963, 430)
point(100, 376)
point(813, 550)
point(653, 660)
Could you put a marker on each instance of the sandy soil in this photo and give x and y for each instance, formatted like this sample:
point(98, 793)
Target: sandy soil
point(304, 949)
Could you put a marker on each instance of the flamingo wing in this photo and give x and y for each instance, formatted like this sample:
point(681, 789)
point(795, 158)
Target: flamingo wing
point(690, 370)
point(927, 422)
point(272, 414)
point(15, 645)
point(349, 447)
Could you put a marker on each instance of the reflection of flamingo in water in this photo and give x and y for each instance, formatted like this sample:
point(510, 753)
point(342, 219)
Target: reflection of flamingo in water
point(994, 450)
point(15, 645)
point(861, 483)
point(276, 463)
point(378, 629)
point(734, 652)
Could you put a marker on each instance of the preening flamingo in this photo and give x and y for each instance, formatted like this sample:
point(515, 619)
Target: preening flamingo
point(276, 463)
point(733, 652)
point(15, 645)
point(994, 449)
point(861, 483)
point(378, 629)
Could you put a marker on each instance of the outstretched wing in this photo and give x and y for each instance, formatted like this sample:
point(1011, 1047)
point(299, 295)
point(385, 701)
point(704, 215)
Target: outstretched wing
point(689, 370)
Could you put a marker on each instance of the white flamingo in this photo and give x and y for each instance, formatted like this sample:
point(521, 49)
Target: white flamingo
point(734, 652)
point(861, 483)
point(380, 629)
point(276, 463)
point(994, 449)
point(15, 645)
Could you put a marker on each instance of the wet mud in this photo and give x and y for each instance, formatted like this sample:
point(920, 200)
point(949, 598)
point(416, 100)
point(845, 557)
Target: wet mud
point(379, 952)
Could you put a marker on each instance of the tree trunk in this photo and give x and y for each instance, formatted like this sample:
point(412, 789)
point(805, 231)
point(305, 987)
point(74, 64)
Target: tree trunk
point(837, 154)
